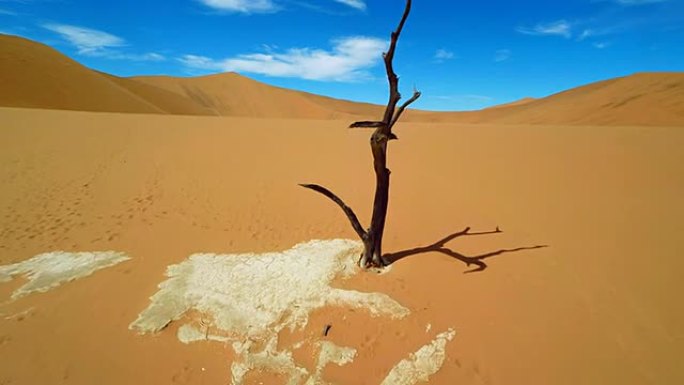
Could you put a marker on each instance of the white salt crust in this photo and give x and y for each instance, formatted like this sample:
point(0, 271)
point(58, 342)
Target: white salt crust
point(250, 298)
point(49, 270)
point(421, 364)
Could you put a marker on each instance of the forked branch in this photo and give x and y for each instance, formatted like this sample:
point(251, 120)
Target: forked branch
point(397, 115)
point(392, 115)
point(395, 96)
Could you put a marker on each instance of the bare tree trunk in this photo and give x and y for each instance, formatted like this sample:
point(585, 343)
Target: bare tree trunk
point(372, 238)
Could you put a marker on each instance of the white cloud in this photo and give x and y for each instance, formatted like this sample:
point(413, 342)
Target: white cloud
point(601, 45)
point(502, 55)
point(86, 40)
point(638, 2)
point(442, 54)
point(153, 56)
point(202, 62)
point(270, 6)
point(358, 4)
point(349, 60)
point(558, 28)
point(91, 42)
point(585, 34)
point(242, 6)
point(116, 55)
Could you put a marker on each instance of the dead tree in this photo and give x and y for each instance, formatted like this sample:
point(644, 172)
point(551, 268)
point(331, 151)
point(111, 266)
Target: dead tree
point(372, 237)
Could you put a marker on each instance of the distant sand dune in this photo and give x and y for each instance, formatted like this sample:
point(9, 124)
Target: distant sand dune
point(650, 99)
point(518, 102)
point(33, 75)
point(231, 94)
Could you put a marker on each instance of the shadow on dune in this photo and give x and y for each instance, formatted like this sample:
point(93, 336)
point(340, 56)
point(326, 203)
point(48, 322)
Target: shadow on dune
point(439, 247)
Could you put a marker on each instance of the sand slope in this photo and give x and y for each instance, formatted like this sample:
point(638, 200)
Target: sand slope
point(167, 102)
point(599, 306)
point(518, 102)
point(649, 99)
point(230, 94)
point(34, 75)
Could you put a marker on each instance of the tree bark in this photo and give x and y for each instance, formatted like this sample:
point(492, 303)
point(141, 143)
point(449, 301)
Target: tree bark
point(372, 238)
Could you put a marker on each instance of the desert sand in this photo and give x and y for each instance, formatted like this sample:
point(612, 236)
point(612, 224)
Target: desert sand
point(170, 180)
point(597, 306)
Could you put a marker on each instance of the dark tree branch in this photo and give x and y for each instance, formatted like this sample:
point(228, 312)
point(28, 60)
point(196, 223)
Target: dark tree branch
point(372, 238)
point(347, 210)
point(416, 95)
point(366, 124)
point(372, 256)
point(395, 96)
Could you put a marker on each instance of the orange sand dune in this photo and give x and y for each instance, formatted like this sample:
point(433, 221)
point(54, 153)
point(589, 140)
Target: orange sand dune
point(648, 99)
point(230, 94)
point(518, 102)
point(34, 75)
point(599, 306)
point(167, 102)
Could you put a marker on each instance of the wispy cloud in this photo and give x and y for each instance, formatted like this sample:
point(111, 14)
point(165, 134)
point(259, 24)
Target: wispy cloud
point(7, 12)
point(586, 33)
point(638, 2)
point(348, 60)
point(601, 44)
point(358, 4)
point(117, 55)
point(242, 6)
point(92, 42)
point(598, 30)
point(86, 40)
point(557, 28)
point(271, 6)
point(442, 55)
point(19, 31)
point(502, 55)
point(620, 17)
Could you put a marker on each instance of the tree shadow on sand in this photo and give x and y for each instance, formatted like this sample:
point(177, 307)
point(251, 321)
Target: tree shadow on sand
point(440, 247)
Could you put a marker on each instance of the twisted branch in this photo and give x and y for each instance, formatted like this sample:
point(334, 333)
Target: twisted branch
point(347, 210)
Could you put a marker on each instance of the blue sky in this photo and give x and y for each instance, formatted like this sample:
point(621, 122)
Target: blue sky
point(460, 54)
